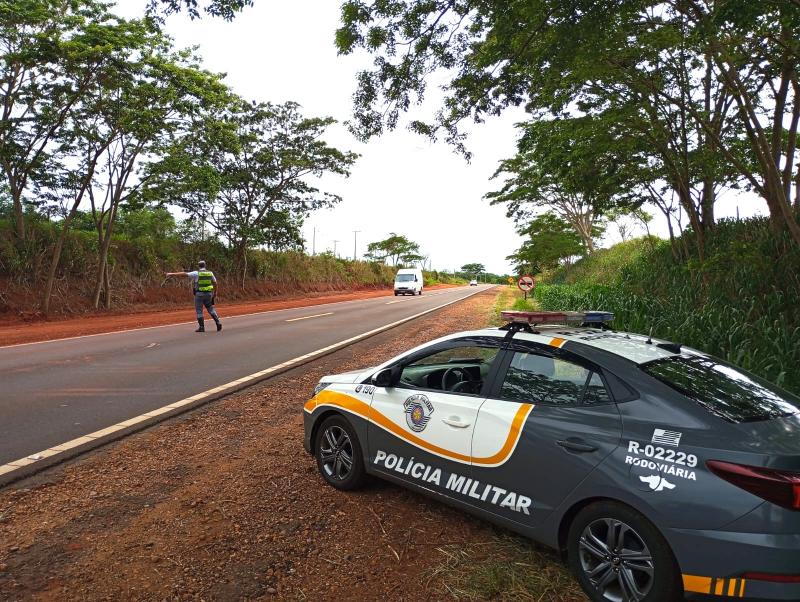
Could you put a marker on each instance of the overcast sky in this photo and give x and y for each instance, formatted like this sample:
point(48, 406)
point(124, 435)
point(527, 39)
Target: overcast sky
point(279, 51)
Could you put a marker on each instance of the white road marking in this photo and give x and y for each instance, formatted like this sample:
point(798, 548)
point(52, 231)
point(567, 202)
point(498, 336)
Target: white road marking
point(330, 313)
point(396, 301)
point(249, 379)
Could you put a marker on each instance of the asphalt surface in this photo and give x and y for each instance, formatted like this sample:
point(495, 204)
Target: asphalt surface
point(55, 391)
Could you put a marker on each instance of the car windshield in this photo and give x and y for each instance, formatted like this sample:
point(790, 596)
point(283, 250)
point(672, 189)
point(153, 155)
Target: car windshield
point(405, 278)
point(724, 390)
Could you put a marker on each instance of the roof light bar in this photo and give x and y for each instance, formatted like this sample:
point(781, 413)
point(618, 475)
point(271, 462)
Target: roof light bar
point(557, 317)
point(598, 316)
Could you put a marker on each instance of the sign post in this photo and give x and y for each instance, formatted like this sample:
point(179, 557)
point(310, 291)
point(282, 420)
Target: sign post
point(526, 283)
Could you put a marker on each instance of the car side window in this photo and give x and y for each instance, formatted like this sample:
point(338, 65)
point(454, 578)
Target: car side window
point(536, 378)
point(595, 391)
point(459, 369)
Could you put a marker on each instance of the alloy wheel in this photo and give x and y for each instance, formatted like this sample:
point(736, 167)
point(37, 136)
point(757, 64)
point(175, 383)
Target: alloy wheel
point(336, 453)
point(616, 560)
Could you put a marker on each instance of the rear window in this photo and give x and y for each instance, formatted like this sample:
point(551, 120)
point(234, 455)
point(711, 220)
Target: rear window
point(724, 390)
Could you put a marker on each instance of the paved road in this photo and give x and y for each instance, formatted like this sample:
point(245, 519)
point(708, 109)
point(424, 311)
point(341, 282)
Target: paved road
point(56, 391)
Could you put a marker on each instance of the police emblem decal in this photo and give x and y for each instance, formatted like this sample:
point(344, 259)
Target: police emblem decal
point(418, 410)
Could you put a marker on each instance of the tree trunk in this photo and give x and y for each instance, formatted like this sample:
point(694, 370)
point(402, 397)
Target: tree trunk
point(241, 253)
point(685, 198)
point(797, 191)
point(105, 244)
point(19, 218)
point(101, 268)
point(672, 245)
point(707, 205)
point(107, 287)
point(56, 259)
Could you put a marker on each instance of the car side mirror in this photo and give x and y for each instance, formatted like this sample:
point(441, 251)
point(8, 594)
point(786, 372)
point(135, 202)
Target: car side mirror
point(388, 377)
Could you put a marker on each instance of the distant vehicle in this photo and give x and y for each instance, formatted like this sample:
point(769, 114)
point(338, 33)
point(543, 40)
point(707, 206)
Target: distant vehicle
point(660, 471)
point(408, 281)
point(473, 282)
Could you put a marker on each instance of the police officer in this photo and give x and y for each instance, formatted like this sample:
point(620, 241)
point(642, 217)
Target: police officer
point(204, 285)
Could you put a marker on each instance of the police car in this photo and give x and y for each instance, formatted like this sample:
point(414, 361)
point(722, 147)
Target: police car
point(660, 471)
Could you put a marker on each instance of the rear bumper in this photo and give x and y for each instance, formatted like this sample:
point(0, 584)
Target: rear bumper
point(714, 563)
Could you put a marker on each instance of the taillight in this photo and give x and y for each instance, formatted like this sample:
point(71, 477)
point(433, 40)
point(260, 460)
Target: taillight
point(776, 486)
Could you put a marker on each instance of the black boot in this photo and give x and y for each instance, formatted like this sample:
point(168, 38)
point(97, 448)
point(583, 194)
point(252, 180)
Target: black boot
point(202, 325)
point(219, 325)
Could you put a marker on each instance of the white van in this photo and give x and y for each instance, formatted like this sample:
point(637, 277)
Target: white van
point(408, 282)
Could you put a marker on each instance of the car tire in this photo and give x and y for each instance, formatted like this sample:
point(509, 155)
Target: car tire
point(336, 445)
point(602, 576)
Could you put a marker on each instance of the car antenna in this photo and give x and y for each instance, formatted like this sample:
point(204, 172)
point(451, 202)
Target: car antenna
point(649, 340)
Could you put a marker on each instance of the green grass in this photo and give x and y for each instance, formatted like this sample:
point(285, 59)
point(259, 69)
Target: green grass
point(604, 266)
point(510, 297)
point(507, 567)
point(739, 304)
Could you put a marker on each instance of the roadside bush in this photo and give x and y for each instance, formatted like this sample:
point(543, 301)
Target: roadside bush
point(604, 266)
point(137, 264)
point(740, 304)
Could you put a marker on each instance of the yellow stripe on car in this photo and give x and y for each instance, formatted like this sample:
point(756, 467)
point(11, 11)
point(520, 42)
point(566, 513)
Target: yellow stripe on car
point(359, 408)
point(719, 586)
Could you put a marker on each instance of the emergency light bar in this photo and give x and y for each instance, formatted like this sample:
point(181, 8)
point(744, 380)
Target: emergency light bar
point(557, 317)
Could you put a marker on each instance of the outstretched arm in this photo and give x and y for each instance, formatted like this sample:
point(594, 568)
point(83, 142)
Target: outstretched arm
point(177, 274)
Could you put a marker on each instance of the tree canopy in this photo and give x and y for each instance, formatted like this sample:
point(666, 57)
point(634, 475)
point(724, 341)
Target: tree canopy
point(712, 88)
point(397, 248)
point(103, 116)
point(473, 268)
point(549, 241)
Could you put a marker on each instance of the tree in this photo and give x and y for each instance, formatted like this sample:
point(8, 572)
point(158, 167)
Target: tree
point(578, 168)
point(282, 231)
point(50, 53)
point(97, 124)
point(146, 223)
point(550, 240)
point(708, 76)
point(250, 168)
point(473, 268)
point(159, 100)
point(396, 247)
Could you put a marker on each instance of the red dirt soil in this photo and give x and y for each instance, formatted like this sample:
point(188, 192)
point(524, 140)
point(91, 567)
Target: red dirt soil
point(19, 331)
point(224, 504)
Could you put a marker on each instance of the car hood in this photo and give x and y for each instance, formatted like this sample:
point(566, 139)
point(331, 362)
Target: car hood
point(348, 377)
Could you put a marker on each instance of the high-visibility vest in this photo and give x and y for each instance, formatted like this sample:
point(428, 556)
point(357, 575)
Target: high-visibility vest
point(205, 281)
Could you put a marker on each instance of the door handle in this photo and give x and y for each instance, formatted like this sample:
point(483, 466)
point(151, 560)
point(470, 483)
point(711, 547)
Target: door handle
point(576, 445)
point(456, 422)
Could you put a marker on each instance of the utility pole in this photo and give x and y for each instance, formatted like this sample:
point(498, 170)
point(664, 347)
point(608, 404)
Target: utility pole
point(314, 242)
point(355, 244)
point(334, 247)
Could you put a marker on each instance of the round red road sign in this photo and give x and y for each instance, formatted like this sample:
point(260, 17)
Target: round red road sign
point(526, 283)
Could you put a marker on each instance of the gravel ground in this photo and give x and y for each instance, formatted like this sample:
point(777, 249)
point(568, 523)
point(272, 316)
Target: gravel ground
point(224, 504)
